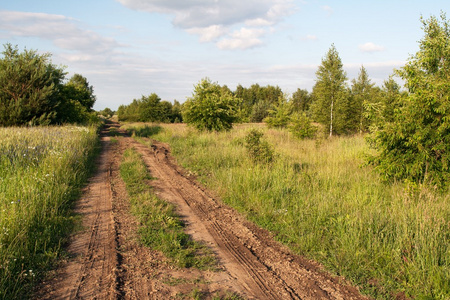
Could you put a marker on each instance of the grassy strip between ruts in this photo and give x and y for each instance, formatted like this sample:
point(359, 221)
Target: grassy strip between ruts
point(161, 229)
point(42, 170)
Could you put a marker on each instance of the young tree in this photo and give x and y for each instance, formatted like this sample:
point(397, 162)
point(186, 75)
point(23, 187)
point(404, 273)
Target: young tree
point(279, 114)
point(362, 89)
point(330, 93)
point(416, 145)
point(29, 87)
point(210, 108)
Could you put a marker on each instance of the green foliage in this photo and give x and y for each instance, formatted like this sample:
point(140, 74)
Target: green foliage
point(330, 104)
point(258, 148)
point(416, 145)
point(32, 91)
point(362, 95)
point(210, 108)
point(78, 89)
point(301, 100)
point(256, 101)
point(150, 109)
point(107, 112)
point(301, 126)
point(29, 87)
point(279, 114)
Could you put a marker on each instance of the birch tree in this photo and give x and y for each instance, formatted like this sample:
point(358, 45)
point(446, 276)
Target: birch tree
point(330, 92)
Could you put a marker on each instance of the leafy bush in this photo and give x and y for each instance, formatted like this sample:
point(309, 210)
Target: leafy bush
point(210, 108)
point(301, 126)
point(258, 149)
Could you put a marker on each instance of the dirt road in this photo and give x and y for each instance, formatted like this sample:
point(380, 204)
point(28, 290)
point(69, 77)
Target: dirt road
point(107, 262)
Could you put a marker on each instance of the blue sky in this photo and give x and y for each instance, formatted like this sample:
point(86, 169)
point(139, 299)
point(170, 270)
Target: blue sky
point(130, 48)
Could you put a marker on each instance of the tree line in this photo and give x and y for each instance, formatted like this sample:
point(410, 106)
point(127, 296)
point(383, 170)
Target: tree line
point(33, 91)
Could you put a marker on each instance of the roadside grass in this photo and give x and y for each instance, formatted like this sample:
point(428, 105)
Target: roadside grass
point(42, 170)
point(160, 229)
point(318, 198)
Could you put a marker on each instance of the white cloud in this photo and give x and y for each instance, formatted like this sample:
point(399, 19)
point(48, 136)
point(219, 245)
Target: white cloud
point(370, 47)
point(244, 38)
point(208, 34)
point(212, 19)
point(61, 30)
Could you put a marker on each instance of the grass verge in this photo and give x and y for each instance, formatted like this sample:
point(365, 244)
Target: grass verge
point(161, 229)
point(42, 170)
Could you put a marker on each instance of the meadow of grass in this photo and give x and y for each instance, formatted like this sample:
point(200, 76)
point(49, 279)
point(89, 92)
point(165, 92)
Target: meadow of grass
point(42, 170)
point(320, 200)
point(161, 229)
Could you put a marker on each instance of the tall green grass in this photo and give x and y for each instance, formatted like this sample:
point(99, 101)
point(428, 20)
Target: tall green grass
point(41, 172)
point(319, 199)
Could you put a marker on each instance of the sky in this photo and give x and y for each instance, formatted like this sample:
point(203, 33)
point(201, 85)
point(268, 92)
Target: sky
point(130, 48)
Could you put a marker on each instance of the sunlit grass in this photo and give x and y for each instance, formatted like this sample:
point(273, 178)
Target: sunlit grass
point(318, 198)
point(41, 172)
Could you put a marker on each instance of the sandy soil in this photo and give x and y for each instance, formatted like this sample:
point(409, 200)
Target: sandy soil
point(106, 260)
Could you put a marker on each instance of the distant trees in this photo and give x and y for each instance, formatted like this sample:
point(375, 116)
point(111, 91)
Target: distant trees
point(211, 107)
point(32, 91)
point(150, 109)
point(414, 144)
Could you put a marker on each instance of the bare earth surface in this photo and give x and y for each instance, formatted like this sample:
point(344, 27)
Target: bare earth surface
point(106, 260)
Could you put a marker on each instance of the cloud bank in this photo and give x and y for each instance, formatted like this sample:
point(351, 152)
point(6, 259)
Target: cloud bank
point(230, 24)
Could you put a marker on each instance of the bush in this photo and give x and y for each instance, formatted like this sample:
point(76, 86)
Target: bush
point(211, 108)
point(259, 150)
point(301, 126)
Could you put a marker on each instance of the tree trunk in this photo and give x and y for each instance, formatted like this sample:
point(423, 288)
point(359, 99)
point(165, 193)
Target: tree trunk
point(331, 118)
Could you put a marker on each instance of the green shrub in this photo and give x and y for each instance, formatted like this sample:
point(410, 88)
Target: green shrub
point(258, 149)
point(301, 126)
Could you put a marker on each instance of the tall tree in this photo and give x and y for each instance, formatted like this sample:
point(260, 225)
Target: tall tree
point(76, 101)
point(79, 89)
point(416, 145)
point(330, 93)
point(30, 87)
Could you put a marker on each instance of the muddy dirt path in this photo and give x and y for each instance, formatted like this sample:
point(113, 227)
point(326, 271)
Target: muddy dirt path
point(106, 260)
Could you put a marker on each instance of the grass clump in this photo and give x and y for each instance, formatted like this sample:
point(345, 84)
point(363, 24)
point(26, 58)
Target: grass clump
point(161, 229)
point(42, 170)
